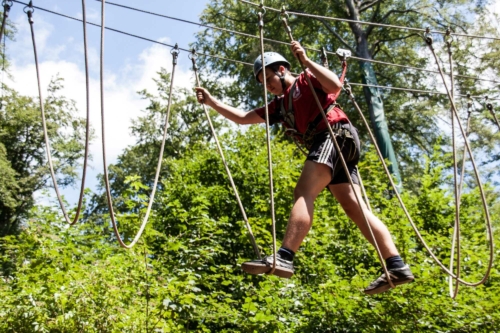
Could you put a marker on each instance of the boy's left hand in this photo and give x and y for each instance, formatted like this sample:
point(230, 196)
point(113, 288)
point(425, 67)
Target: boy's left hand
point(299, 52)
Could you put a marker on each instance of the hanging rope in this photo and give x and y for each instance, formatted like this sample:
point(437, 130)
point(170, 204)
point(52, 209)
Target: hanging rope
point(7, 4)
point(428, 39)
point(339, 151)
point(175, 53)
point(456, 230)
point(268, 134)
point(193, 57)
point(456, 227)
point(29, 10)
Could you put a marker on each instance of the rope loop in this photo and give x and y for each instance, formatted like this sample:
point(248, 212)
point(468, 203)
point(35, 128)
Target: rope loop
point(7, 4)
point(193, 55)
point(29, 10)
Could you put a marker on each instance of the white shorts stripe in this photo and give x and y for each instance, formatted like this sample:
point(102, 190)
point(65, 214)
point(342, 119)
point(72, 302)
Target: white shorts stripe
point(325, 152)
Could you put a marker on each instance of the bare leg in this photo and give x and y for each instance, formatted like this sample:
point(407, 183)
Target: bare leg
point(346, 197)
point(313, 179)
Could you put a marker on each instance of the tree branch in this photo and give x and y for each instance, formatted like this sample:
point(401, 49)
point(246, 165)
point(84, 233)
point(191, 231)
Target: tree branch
point(333, 32)
point(366, 6)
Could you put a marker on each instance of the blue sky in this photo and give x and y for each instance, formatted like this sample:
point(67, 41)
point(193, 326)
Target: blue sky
point(130, 63)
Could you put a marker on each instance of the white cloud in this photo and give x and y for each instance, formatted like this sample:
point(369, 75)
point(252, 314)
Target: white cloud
point(122, 104)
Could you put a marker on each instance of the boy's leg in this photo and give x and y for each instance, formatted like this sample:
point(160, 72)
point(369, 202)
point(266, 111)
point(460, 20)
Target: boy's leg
point(313, 179)
point(399, 272)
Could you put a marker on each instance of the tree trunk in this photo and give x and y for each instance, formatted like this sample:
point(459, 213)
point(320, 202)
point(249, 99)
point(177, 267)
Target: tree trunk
point(372, 95)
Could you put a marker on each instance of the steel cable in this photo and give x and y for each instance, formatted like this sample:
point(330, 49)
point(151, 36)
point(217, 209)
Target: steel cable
point(175, 53)
point(286, 43)
point(368, 23)
point(29, 11)
point(249, 64)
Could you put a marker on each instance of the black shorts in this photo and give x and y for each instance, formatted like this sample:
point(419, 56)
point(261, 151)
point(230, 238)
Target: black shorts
point(323, 151)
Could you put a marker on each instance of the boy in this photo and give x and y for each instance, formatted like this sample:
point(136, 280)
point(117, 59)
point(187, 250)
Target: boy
point(296, 109)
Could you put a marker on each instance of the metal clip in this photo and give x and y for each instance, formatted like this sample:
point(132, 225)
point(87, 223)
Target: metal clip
point(427, 36)
point(347, 89)
point(284, 12)
point(343, 54)
point(324, 58)
point(175, 53)
point(469, 101)
point(29, 10)
point(261, 21)
point(7, 4)
point(193, 55)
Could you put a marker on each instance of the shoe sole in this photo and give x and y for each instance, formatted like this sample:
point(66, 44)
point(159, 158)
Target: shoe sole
point(387, 286)
point(256, 269)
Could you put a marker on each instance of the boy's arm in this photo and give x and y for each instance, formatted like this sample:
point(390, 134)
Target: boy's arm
point(330, 83)
point(229, 112)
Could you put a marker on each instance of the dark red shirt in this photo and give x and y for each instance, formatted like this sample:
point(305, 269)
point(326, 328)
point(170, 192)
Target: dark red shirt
point(304, 106)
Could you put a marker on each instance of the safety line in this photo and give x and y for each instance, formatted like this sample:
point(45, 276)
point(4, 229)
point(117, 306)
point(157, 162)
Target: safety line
point(29, 12)
point(341, 157)
point(367, 23)
point(249, 64)
point(286, 43)
point(268, 138)
point(175, 53)
point(193, 56)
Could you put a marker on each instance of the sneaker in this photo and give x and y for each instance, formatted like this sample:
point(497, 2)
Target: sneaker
point(398, 276)
point(284, 268)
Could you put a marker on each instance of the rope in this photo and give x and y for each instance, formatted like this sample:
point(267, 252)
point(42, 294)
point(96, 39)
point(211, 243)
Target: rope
point(7, 4)
point(429, 41)
point(368, 23)
point(193, 56)
point(456, 228)
point(249, 64)
point(322, 51)
point(341, 157)
point(268, 137)
point(175, 53)
point(29, 12)
point(351, 96)
point(456, 231)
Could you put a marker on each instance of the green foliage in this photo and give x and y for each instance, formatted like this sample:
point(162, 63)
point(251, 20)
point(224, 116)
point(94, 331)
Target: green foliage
point(22, 150)
point(185, 274)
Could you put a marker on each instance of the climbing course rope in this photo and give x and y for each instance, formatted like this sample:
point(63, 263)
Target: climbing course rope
point(29, 10)
point(456, 228)
point(429, 40)
point(193, 57)
point(175, 53)
point(7, 4)
point(268, 133)
point(339, 151)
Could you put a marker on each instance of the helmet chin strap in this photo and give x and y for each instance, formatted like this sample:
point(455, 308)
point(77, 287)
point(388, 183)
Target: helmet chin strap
point(282, 80)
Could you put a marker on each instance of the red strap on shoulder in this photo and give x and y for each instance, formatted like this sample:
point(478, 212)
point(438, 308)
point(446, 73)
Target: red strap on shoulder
point(342, 78)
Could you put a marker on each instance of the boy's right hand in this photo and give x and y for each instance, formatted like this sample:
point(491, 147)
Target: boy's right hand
point(203, 96)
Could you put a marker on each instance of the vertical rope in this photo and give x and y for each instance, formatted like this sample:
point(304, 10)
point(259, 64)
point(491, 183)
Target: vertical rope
point(193, 57)
point(429, 40)
point(456, 228)
point(339, 151)
point(175, 53)
point(268, 136)
point(29, 10)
